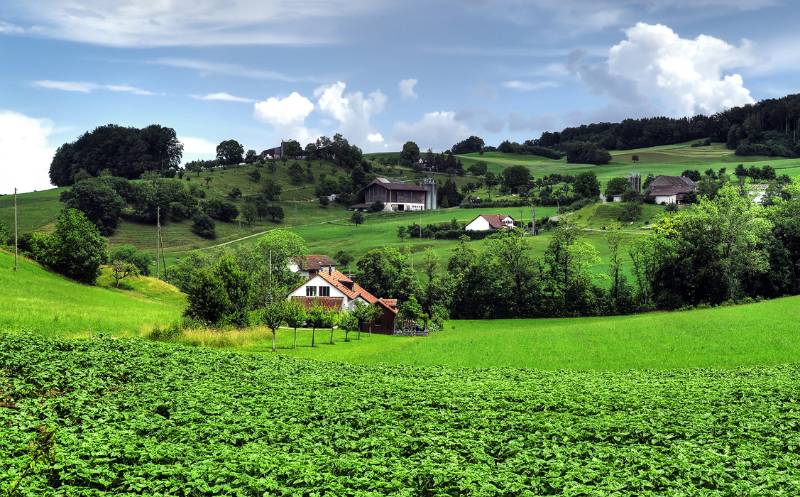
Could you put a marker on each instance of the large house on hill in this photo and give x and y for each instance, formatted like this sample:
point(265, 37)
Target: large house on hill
point(397, 196)
point(332, 289)
point(487, 222)
point(670, 190)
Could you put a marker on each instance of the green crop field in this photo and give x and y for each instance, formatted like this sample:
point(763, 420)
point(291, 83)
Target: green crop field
point(122, 417)
point(37, 300)
point(666, 160)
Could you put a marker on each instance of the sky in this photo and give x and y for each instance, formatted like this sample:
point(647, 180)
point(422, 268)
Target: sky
point(380, 72)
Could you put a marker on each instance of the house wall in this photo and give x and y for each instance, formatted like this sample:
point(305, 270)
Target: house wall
point(478, 224)
point(666, 199)
point(316, 281)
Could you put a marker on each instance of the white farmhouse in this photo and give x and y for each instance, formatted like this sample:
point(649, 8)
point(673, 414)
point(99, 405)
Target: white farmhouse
point(487, 222)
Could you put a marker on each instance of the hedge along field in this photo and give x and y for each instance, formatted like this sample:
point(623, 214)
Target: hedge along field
point(129, 417)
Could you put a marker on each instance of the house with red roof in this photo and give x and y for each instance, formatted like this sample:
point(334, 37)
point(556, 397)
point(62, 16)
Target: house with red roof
point(335, 290)
point(309, 265)
point(488, 222)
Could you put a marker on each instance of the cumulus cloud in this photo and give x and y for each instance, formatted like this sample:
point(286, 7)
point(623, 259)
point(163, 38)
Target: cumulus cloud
point(133, 23)
point(406, 87)
point(352, 111)
point(25, 152)
point(676, 76)
point(287, 115)
point(375, 138)
point(197, 147)
point(88, 87)
point(223, 97)
point(518, 85)
point(436, 130)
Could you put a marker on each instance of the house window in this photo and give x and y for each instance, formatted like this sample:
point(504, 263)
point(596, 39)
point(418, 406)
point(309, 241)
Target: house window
point(324, 291)
point(311, 291)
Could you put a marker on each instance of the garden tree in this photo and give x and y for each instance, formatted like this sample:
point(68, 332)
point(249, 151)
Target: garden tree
point(348, 323)
point(437, 294)
point(386, 272)
point(357, 218)
point(237, 285)
point(267, 262)
point(249, 212)
point(491, 181)
point(470, 145)
point(230, 152)
point(98, 200)
point(203, 226)
point(364, 313)
point(709, 252)
point(125, 152)
point(478, 168)
point(332, 319)
point(208, 301)
point(296, 173)
point(318, 318)
point(410, 152)
point(462, 256)
point(619, 293)
point(122, 269)
point(567, 260)
point(183, 268)
point(139, 258)
point(275, 213)
point(221, 210)
point(587, 186)
point(273, 315)
point(271, 190)
point(291, 148)
point(344, 258)
point(412, 311)
point(448, 194)
point(251, 156)
point(516, 178)
point(295, 316)
point(631, 211)
point(616, 186)
point(75, 249)
point(194, 166)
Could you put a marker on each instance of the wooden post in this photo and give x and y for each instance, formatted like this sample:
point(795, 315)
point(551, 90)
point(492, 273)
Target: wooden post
point(158, 241)
point(16, 234)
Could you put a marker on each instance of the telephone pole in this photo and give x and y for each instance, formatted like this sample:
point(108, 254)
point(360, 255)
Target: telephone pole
point(158, 241)
point(533, 219)
point(16, 234)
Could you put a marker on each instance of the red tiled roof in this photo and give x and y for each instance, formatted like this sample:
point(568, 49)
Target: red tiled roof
point(338, 280)
point(495, 220)
point(326, 302)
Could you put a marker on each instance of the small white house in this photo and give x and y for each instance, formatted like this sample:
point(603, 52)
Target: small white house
point(616, 198)
point(487, 222)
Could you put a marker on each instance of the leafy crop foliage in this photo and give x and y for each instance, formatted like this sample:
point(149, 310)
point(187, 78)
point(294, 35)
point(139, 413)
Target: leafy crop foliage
point(129, 417)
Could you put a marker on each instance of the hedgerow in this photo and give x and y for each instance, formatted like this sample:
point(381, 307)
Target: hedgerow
point(129, 417)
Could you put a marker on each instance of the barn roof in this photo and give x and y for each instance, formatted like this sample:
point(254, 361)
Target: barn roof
point(670, 185)
point(494, 220)
point(394, 185)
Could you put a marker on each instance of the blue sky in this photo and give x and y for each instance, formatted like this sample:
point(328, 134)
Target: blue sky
point(380, 72)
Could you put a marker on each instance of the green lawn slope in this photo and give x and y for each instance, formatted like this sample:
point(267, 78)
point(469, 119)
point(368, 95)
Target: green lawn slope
point(34, 299)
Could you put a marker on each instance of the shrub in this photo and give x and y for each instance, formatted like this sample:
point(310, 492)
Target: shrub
point(76, 249)
point(630, 212)
point(98, 201)
point(586, 153)
point(203, 225)
point(139, 258)
point(376, 206)
point(206, 295)
point(221, 210)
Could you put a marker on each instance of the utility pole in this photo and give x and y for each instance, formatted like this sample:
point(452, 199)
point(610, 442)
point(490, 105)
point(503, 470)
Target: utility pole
point(533, 219)
point(16, 234)
point(158, 241)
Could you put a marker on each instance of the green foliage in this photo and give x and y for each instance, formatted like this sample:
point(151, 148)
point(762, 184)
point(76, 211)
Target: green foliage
point(206, 295)
point(229, 424)
point(139, 258)
point(75, 249)
point(387, 272)
point(98, 200)
point(203, 226)
point(357, 218)
point(230, 152)
point(410, 152)
point(221, 210)
point(586, 153)
point(273, 315)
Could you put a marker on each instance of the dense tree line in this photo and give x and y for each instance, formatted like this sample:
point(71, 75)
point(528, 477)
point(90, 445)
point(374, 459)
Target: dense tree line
point(528, 148)
point(769, 127)
point(470, 145)
point(123, 151)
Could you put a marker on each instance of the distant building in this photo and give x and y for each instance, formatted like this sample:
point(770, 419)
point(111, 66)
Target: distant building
point(670, 190)
point(309, 265)
point(758, 193)
point(332, 289)
point(398, 196)
point(487, 222)
point(616, 198)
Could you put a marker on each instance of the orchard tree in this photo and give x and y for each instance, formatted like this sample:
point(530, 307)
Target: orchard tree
point(230, 152)
point(295, 316)
point(317, 318)
point(273, 316)
point(76, 247)
point(357, 218)
point(122, 269)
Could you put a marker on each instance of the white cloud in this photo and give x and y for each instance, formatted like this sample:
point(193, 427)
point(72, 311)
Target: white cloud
point(88, 87)
point(195, 146)
point(656, 68)
point(375, 138)
point(518, 85)
point(406, 87)
point(223, 97)
point(436, 130)
point(287, 115)
point(353, 111)
point(6, 28)
point(25, 152)
point(210, 67)
point(134, 23)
